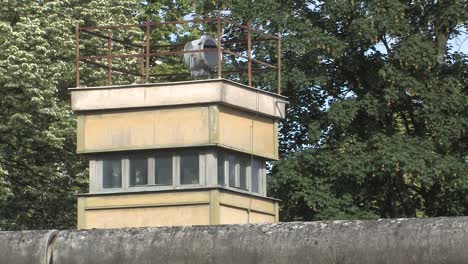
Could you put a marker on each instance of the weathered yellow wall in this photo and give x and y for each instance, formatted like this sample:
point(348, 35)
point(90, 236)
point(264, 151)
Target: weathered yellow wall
point(129, 130)
point(178, 127)
point(147, 217)
point(243, 209)
point(142, 210)
point(229, 215)
point(146, 199)
point(247, 132)
point(258, 218)
point(200, 207)
point(248, 202)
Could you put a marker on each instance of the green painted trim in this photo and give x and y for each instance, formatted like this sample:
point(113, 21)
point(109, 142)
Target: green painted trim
point(215, 218)
point(111, 207)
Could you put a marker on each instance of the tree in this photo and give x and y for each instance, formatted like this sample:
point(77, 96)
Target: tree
point(390, 139)
point(39, 170)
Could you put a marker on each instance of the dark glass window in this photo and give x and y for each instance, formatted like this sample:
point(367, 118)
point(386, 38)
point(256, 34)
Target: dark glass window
point(243, 173)
point(163, 170)
point(232, 170)
point(221, 170)
point(112, 173)
point(138, 171)
point(255, 176)
point(189, 168)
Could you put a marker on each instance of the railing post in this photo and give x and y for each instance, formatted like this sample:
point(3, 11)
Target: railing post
point(249, 55)
point(109, 60)
point(147, 48)
point(220, 53)
point(142, 65)
point(278, 64)
point(77, 53)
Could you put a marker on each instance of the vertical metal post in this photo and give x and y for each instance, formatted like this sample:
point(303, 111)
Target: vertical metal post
point(142, 65)
point(77, 53)
point(147, 48)
point(109, 60)
point(220, 54)
point(249, 55)
point(278, 64)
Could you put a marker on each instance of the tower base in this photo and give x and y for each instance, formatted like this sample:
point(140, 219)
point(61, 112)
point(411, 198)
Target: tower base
point(178, 207)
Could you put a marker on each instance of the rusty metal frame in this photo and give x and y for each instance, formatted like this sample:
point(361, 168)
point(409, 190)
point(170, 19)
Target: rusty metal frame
point(145, 52)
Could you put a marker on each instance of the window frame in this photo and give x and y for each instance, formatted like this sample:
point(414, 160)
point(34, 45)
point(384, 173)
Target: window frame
point(224, 169)
point(138, 156)
point(97, 174)
point(247, 168)
point(201, 169)
point(259, 176)
point(99, 170)
point(208, 170)
point(250, 159)
point(153, 157)
point(228, 168)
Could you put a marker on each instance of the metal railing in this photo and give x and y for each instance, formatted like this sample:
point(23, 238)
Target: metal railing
point(147, 52)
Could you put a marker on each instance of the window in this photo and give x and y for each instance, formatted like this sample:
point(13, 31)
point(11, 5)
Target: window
point(189, 168)
point(112, 173)
point(255, 176)
point(237, 171)
point(138, 171)
point(221, 168)
point(163, 170)
point(232, 170)
point(243, 173)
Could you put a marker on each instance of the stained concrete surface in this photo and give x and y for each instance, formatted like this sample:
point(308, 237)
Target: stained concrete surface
point(25, 247)
point(424, 240)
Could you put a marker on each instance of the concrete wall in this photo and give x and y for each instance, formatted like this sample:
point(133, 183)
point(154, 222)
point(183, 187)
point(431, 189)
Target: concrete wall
point(201, 206)
point(426, 240)
point(26, 247)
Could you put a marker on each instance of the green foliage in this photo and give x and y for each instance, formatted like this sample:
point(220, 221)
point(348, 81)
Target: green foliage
point(390, 137)
point(39, 170)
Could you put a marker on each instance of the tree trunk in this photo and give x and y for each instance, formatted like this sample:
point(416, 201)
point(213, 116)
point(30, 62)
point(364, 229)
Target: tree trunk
point(441, 39)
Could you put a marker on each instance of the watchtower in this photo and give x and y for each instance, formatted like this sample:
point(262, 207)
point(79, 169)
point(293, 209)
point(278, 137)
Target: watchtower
point(176, 153)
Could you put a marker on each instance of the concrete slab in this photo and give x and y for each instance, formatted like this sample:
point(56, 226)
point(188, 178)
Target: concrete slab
point(26, 247)
point(178, 93)
point(403, 241)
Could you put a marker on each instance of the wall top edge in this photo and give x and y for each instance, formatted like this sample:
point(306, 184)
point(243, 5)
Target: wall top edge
point(187, 189)
point(225, 81)
point(175, 148)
